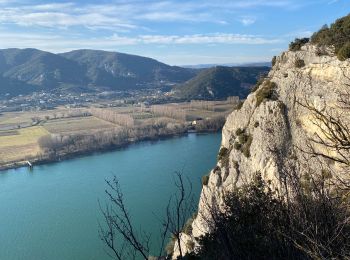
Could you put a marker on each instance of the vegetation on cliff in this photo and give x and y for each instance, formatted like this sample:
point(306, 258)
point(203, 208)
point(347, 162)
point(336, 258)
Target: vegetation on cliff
point(336, 35)
point(258, 223)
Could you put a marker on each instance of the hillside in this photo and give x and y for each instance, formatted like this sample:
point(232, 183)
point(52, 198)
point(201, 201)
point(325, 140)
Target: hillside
point(14, 87)
point(220, 82)
point(119, 70)
point(293, 132)
point(83, 69)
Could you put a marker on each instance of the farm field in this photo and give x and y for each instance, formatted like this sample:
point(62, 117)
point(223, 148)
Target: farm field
point(20, 131)
point(77, 124)
point(17, 145)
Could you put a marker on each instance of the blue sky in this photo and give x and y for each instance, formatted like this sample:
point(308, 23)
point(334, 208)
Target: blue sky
point(175, 32)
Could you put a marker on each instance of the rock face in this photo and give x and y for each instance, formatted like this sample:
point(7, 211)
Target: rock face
point(274, 135)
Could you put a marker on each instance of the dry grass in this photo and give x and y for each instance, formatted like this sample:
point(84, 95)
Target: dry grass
point(19, 144)
point(77, 124)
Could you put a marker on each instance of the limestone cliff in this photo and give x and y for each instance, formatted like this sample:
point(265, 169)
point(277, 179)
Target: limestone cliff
point(271, 131)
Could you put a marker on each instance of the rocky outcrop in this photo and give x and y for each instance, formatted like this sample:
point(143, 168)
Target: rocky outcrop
point(274, 135)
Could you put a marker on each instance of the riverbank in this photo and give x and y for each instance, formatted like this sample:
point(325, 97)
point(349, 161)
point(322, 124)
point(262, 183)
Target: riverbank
point(61, 156)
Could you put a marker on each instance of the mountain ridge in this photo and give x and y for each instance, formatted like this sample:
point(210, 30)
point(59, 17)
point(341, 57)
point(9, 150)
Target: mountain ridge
point(89, 69)
point(220, 82)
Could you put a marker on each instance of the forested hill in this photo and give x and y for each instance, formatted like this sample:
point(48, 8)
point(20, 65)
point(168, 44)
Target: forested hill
point(25, 70)
point(113, 69)
point(220, 82)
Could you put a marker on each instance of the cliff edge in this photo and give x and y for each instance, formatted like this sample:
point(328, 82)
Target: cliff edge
point(271, 132)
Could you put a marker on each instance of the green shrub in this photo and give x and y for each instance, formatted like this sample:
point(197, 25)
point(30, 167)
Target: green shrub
point(242, 138)
point(244, 141)
point(266, 92)
point(239, 131)
point(326, 174)
point(273, 61)
point(259, 224)
point(217, 168)
point(222, 153)
point(299, 63)
point(237, 146)
point(246, 146)
point(205, 180)
point(297, 44)
point(344, 52)
point(190, 245)
point(252, 227)
point(337, 35)
point(256, 86)
point(256, 124)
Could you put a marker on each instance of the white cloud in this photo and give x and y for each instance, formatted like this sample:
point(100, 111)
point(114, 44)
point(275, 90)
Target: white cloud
point(55, 43)
point(246, 20)
point(127, 14)
point(191, 59)
point(224, 38)
point(64, 15)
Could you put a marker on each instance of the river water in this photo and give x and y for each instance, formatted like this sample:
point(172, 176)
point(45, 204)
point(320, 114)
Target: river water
point(52, 212)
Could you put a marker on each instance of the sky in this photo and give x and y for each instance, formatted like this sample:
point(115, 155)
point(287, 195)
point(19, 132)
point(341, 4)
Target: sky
point(175, 32)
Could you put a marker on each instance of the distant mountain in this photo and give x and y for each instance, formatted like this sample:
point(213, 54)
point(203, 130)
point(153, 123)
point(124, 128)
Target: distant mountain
point(43, 69)
point(119, 70)
point(31, 69)
point(251, 64)
point(220, 82)
point(14, 87)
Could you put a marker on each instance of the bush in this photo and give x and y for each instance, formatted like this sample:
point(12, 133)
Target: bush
point(223, 153)
point(244, 142)
point(237, 146)
point(256, 124)
point(246, 146)
point(242, 138)
point(239, 131)
point(298, 43)
point(256, 86)
point(337, 35)
point(273, 62)
point(223, 156)
point(258, 224)
point(251, 227)
point(299, 63)
point(344, 52)
point(266, 92)
point(205, 180)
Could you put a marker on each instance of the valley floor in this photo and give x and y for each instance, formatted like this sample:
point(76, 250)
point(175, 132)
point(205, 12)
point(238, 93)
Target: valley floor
point(45, 136)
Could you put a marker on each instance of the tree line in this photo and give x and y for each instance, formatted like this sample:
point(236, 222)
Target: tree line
point(113, 117)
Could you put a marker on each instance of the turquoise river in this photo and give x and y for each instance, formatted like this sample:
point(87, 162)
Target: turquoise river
point(52, 212)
